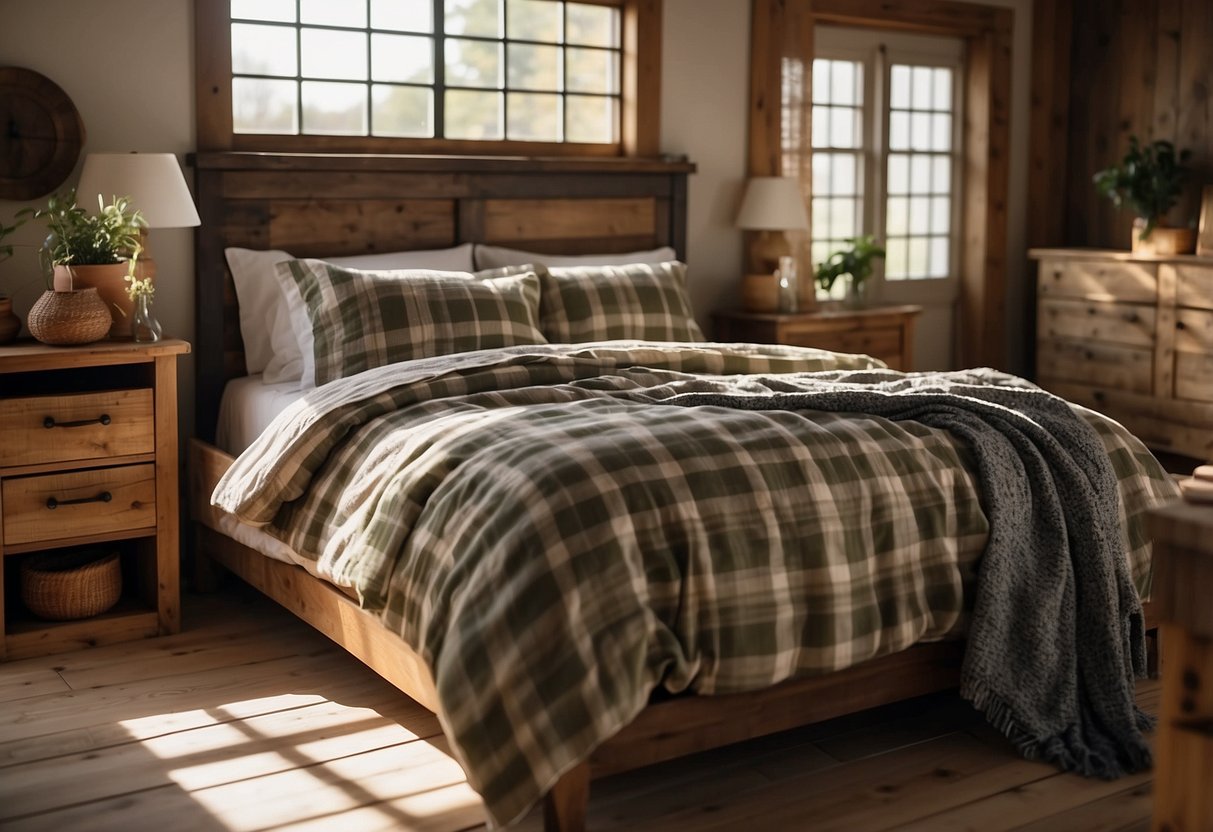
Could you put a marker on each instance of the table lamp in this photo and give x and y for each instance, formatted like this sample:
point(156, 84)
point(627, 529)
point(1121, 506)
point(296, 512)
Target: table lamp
point(772, 206)
point(156, 187)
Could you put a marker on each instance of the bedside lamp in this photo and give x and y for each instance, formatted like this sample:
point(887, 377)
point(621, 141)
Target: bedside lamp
point(772, 206)
point(156, 187)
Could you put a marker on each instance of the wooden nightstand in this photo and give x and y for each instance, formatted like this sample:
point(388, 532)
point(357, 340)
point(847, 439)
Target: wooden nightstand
point(88, 458)
point(884, 332)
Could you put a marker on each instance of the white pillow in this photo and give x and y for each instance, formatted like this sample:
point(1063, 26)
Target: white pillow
point(271, 345)
point(496, 257)
point(259, 297)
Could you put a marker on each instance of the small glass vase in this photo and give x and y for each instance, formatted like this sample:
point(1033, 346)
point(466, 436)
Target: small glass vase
point(857, 293)
point(789, 287)
point(144, 325)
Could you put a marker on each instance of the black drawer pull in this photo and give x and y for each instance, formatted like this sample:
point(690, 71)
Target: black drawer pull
point(103, 497)
point(49, 422)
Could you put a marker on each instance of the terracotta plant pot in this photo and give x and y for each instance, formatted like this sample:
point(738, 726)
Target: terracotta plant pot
point(110, 284)
point(78, 317)
point(10, 324)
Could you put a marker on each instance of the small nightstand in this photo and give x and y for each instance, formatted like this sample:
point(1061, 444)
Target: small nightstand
point(89, 458)
point(884, 332)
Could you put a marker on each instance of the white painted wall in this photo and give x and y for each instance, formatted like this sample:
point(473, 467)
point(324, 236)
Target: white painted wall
point(705, 72)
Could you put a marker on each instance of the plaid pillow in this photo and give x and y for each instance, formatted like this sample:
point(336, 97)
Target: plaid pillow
point(640, 301)
point(365, 319)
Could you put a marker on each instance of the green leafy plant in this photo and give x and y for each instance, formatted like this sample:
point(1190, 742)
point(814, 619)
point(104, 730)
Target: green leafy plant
point(78, 238)
point(1150, 178)
point(856, 261)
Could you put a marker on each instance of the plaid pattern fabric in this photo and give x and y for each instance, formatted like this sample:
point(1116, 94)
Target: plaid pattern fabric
point(556, 547)
point(602, 303)
point(365, 319)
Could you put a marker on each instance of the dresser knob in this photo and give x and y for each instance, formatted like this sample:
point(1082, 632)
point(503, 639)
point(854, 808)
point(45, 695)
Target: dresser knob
point(53, 503)
point(49, 422)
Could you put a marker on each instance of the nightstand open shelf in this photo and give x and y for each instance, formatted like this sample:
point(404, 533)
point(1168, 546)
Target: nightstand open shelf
point(90, 460)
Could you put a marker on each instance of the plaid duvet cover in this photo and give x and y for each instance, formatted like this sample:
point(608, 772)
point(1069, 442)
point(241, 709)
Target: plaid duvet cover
point(556, 547)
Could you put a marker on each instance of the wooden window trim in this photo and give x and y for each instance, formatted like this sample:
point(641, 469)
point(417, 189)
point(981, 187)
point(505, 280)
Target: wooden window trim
point(640, 110)
point(783, 30)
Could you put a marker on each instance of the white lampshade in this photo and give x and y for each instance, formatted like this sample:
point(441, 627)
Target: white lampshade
point(773, 203)
point(153, 181)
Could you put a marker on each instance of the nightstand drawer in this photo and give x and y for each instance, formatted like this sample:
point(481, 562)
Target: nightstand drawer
point(874, 342)
point(49, 429)
point(79, 504)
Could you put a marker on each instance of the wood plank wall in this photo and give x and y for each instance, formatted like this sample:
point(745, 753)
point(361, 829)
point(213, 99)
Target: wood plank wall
point(1135, 67)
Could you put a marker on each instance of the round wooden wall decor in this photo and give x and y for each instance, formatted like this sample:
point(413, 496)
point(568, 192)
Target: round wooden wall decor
point(40, 134)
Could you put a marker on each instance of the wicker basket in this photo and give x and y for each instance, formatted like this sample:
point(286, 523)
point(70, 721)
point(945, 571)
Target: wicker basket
point(74, 584)
point(78, 317)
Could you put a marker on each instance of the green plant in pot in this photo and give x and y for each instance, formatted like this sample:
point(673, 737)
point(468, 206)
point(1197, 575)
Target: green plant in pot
point(92, 251)
point(855, 264)
point(1150, 178)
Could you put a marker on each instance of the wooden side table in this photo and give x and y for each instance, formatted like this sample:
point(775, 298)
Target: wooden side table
point(89, 459)
point(884, 332)
point(1183, 600)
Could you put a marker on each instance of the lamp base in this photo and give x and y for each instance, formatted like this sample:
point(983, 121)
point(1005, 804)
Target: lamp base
point(760, 292)
point(766, 249)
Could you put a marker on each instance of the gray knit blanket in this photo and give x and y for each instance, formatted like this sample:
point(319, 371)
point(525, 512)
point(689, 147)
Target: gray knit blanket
point(1057, 635)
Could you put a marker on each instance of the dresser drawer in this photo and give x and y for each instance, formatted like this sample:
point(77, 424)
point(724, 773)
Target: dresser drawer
point(1193, 286)
point(49, 429)
point(1095, 363)
point(79, 503)
point(1118, 323)
point(1098, 280)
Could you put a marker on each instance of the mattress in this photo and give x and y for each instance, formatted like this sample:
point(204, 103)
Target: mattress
point(247, 408)
point(245, 411)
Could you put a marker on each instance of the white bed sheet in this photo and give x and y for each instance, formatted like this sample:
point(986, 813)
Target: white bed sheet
point(247, 408)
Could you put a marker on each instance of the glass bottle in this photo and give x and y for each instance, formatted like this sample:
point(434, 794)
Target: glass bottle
point(144, 325)
point(789, 291)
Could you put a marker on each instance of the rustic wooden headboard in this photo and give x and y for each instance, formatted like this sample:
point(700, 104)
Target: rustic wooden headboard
point(316, 205)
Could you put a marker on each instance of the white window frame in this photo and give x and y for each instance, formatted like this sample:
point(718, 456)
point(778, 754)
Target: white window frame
point(878, 51)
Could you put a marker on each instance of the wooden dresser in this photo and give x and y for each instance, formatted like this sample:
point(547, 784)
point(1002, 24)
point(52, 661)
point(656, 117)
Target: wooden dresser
point(88, 461)
point(884, 332)
point(1132, 337)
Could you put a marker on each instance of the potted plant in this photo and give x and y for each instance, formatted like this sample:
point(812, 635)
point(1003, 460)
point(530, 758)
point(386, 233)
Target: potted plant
point(10, 324)
point(95, 251)
point(1150, 178)
point(855, 263)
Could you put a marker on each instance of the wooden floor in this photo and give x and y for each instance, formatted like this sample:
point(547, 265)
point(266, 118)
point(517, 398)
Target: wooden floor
point(250, 721)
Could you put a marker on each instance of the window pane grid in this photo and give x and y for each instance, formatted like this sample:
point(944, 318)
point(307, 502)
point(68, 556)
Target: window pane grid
point(837, 159)
point(919, 168)
point(558, 62)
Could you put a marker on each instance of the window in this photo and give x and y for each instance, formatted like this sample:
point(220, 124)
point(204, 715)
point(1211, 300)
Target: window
point(535, 70)
point(885, 159)
point(429, 75)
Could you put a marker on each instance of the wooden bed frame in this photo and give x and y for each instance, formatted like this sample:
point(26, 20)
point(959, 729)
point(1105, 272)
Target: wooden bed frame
point(334, 205)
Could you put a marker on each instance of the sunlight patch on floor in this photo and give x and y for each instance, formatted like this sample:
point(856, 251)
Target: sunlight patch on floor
point(298, 760)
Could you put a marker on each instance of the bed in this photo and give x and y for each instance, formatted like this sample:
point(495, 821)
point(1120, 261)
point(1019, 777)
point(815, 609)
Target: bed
point(350, 205)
